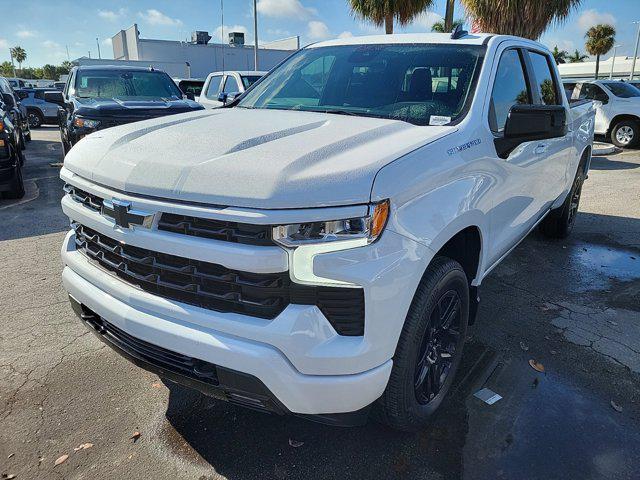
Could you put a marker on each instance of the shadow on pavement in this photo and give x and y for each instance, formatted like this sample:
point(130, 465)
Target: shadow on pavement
point(610, 163)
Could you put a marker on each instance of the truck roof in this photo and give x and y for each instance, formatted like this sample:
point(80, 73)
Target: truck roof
point(469, 39)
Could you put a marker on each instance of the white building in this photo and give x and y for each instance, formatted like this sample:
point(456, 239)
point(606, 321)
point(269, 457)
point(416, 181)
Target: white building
point(195, 59)
point(587, 70)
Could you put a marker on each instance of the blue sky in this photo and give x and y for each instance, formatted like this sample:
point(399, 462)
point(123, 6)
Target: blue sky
point(46, 28)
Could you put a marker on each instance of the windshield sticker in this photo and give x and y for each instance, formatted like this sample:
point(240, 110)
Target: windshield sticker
point(464, 146)
point(439, 120)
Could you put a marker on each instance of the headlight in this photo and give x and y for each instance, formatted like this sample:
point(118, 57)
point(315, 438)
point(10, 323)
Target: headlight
point(86, 123)
point(367, 229)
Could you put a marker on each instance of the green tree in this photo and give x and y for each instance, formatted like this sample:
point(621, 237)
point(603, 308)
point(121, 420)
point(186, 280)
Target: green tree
point(577, 57)
point(384, 12)
point(49, 72)
point(438, 27)
point(6, 69)
point(65, 67)
point(524, 18)
point(560, 56)
point(600, 39)
point(19, 54)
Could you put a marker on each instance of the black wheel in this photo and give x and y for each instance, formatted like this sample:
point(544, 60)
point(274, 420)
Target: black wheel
point(17, 185)
point(430, 348)
point(35, 119)
point(625, 134)
point(559, 222)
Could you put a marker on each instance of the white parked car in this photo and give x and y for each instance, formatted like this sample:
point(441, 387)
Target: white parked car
point(617, 108)
point(221, 87)
point(321, 254)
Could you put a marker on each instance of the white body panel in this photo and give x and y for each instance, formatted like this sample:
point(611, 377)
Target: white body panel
point(278, 167)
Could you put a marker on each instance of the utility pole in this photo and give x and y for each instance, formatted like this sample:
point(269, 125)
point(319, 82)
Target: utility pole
point(222, 34)
point(68, 58)
point(255, 36)
point(613, 60)
point(448, 16)
point(635, 53)
point(98, 44)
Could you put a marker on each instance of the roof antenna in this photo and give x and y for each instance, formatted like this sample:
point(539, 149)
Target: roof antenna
point(458, 32)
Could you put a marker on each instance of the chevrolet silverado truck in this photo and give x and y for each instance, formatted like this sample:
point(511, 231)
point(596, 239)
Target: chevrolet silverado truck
point(316, 246)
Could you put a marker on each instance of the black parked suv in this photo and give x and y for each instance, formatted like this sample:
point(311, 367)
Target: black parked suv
point(16, 111)
point(11, 159)
point(98, 97)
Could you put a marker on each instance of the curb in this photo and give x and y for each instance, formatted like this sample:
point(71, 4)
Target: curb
point(600, 148)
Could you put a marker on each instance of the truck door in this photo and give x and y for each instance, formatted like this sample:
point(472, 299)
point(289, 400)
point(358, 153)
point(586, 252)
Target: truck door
point(592, 91)
point(519, 177)
point(553, 153)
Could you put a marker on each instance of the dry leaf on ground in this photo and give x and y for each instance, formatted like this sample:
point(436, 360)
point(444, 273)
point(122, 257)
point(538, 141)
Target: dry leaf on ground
point(135, 436)
point(536, 365)
point(61, 460)
point(83, 446)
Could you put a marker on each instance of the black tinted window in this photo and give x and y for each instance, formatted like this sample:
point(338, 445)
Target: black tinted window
point(231, 85)
point(39, 95)
point(545, 84)
point(117, 83)
point(590, 91)
point(214, 88)
point(623, 90)
point(248, 80)
point(509, 89)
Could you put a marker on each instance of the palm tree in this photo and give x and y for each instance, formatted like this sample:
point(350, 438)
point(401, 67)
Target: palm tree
point(577, 57)
point(524, 18)
point(384, 12)
point(439, 26)
point(600, 39)
point(560, 56)
point(19, 54)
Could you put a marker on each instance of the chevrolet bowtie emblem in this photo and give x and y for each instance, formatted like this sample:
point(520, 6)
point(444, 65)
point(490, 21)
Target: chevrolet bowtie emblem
point(123, 216)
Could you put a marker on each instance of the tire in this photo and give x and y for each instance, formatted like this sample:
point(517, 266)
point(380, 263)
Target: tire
point(560, 221)
point(625, 134)
point(407, 404)
point(35, 119)
point(17, 185)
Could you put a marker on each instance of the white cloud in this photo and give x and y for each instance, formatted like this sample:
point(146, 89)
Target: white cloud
point(220, 36)
point(107, 42)
point(26, 33)
point(426, 20)
point(50, 44)
point(318, 30)
point(156, 17)
point(345, 34)
point(112, 16)
point(589, 18)
point(4, 43)
point(285, 9)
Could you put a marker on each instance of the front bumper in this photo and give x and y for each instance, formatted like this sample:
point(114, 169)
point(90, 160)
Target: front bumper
point(298, 356)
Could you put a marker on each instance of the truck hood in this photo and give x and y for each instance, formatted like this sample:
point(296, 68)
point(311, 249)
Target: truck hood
point(266, 159)
point(148, 108)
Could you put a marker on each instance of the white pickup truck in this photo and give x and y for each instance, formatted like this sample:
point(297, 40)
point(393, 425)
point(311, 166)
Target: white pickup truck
point(617, 108)
point(321, 253)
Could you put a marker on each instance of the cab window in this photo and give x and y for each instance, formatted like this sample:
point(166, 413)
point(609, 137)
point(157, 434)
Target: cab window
point(214, 87)
point(544, 79)
point(231, 85)
point(509, 88)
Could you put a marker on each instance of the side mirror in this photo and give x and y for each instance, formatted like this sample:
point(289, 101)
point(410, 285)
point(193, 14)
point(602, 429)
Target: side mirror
point(223, 97)
point(190, 96)
point(8, 100)
point(528, 123)
point(54, 97)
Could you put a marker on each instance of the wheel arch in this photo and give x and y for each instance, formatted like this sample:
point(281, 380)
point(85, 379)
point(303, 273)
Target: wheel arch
point(620, 117)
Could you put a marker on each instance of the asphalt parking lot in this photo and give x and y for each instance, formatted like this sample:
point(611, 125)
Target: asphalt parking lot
point(571, 305)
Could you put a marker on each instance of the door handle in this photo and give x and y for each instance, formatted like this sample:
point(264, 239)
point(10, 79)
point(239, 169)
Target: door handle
point(540, 149)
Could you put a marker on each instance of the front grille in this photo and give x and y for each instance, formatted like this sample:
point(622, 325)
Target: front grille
point(88, 199)
point(218, 288)
point(216, 229)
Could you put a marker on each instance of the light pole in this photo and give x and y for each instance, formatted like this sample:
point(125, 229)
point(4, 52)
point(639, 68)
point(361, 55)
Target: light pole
point(448, 16)
point(98, 44)
point(635, 53)
point(255, 35)
point(613, 60)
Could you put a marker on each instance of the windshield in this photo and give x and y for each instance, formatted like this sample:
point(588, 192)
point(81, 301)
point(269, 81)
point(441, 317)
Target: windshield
point(116, 83)
point(420, 84)
point(622, 90)
point(248, 80)
point(192, 86)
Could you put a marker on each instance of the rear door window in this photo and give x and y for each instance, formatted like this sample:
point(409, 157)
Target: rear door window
point(231, 85)
point(509, 88)
point(545, 83)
